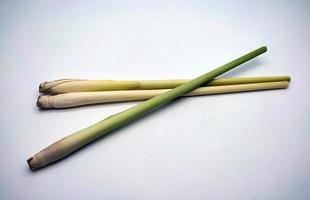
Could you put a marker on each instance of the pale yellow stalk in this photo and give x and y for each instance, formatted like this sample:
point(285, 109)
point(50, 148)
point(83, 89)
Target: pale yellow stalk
point(75, 99)
point(76, 85)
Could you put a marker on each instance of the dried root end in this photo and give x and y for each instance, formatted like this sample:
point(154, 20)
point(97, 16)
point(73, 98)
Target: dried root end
point(43, 88)
point(43, 102)
point(31, 163)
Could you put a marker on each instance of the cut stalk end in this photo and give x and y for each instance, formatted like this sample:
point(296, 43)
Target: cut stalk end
point(31, 163)
point(43, 102)
point(42, 87)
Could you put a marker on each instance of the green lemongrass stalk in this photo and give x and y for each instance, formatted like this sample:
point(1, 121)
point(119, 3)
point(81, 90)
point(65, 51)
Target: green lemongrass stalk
point(75, 141)
point(75, 99)
point(76, 85)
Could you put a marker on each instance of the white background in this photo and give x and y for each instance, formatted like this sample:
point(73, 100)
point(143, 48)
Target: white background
point(235, 146)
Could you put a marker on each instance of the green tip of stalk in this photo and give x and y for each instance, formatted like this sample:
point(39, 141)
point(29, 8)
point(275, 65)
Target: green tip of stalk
point(263, 48)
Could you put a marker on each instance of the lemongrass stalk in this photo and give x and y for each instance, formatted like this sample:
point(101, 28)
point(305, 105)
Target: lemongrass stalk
point(75, 99)
point(75, 141)
point(76, 85)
